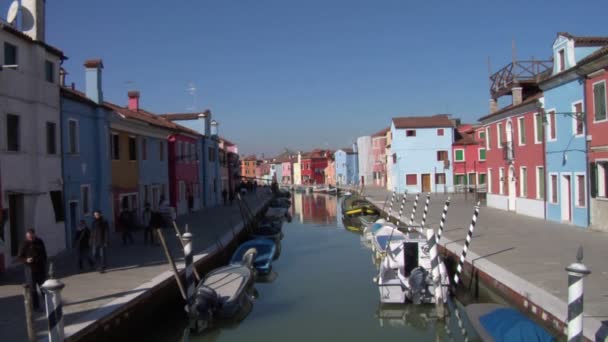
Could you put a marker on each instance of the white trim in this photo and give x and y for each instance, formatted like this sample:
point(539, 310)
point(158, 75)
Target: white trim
point(523, 180)
point(76, 138)
point(479, 154)
point(89, 198)
point(605, 101)
point(501, 181)
point(536, 116)
point(498, 134)
point(566, 209)
point(560, 59)
point(601, 179)
point(550, 188)
point(550, 122)
point(573, 106)
point(521, 123)
point(487, 138)
point(489, 179)
point(575, 197)
point(463, 155)
point(536, 175)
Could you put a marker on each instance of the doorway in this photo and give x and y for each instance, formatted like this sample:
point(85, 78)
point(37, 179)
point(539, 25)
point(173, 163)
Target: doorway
point(426, 182)
point(566, 198)
point(16, 228)
point(511, 181)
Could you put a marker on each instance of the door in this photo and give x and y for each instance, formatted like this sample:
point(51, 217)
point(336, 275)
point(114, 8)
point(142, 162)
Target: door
point(426, 182)
point(511, 180)
point(566, 198)
point(73, 212)
point(16, 229)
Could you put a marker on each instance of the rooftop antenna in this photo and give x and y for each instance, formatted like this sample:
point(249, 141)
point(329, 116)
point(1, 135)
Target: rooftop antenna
point(192, 91)
point(13, 10)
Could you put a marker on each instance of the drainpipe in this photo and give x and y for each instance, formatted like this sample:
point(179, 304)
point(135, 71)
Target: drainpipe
point(541, 111)
point(588, 182)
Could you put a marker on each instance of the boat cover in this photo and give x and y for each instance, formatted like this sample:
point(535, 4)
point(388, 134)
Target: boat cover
point(506, 324)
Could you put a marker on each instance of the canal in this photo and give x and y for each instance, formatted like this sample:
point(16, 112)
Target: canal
point(322, 291)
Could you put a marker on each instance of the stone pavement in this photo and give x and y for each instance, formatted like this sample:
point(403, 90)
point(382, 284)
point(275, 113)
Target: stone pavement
point(527, 253)
point(130, 270)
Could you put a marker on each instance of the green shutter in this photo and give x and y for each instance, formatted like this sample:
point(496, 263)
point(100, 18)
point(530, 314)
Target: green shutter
point(482, 154)
point(599, 98)
point(459, 155)
point(593, 179)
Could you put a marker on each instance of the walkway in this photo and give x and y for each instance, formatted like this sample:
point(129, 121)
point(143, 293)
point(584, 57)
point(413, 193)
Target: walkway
point(131, 271)
point(527, 254)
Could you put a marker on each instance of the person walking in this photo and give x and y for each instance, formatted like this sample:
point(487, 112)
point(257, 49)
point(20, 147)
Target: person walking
point(82, 241)
point(126, 224)
point(100, 237)
point(33, 254)
point(146, 217)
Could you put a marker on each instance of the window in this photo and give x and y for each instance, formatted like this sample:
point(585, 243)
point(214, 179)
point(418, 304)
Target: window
point(410, 133)
point(521, 128)
point(440, 132)
point(49, 69)
point(600, 179)
point(501, 181)
point(51, 139)
point(180, 151)
point(440, 178)
point(487, 136)
point(489, 180)
point(57, 201)
point(211, 154)
point(85, 199)
point(551, 122)
point(411, 179)
point(458, 155)
point(394, 158)
point(523, 182)
point(482, 134)
point(10, 54)
point(561, 59)
point(115, 146)
point(499, 135)
point(578, 118)
point(144, 149)
point(132, 148)
point(581, 193)
point(482, 179)
point(13, 132)
point(538, 128)
point(161, 151)
point(460, 180)
point(599, 101)
point(553, 189)
point(72, 136)
point(540, 182)
point(482, 154)
point(442, 155)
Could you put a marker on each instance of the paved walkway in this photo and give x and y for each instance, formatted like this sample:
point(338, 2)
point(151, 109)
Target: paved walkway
point(130, 270)
point(524, 252)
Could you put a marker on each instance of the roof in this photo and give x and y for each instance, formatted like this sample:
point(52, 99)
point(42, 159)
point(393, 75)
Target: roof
point(466, 139)
point(21, 35)
point(585, 40)
point(250, 157)
point(153, 119)
point(596, 54)
point(347, 150)
point(184, 116)
point(381, 132)
point(438, 120)
point(511, 107)
point(80, 96)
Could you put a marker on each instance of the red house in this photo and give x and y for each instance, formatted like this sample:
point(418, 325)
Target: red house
point(184, 162)
point(313, 166)
point(469, 156)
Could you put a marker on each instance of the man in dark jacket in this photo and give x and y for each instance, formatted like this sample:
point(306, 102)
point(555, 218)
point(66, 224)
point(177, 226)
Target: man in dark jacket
point(100, 238)
point(82, 243)
point(33, 254)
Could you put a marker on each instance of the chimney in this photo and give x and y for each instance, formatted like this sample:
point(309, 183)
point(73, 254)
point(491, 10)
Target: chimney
point(62, 75)
point(32, 19)
point(205, 118)
point(493, 106)
point(516, 95)
point(214, 128)
point(133, 100)
point(355, 148)
point(93, 82)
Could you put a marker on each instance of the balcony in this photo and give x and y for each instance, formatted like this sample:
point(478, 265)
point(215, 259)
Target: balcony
point(518, 73)
point(508, 153)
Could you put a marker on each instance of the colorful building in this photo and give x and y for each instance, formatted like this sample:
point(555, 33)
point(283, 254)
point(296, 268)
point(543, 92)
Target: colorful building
point(469, 156)
point(287, 172)
point(330, 173)
point(297, 170)
point(313, 166)
point(184, 171)
point(365, 160)
point(248, 166)
point(421, 158)
point(379, 157)
point(346, 164)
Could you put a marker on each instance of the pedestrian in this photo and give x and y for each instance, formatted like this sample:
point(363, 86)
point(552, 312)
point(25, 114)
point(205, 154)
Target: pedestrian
point(146, 218)
point(100, 237)
point(33, 254)
point(82, 241)
point(126, 224)
point(225, 196)
point(166, 212)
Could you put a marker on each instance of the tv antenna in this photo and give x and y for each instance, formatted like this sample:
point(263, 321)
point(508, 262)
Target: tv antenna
point(13, 10)
point(192, 91)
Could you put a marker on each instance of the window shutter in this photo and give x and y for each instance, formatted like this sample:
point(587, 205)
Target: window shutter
point(593, 179)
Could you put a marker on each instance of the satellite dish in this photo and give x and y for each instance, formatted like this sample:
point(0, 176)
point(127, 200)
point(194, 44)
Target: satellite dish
point(12, 12)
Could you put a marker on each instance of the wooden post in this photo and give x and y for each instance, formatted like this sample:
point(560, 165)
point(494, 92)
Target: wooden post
point(161, 238)
point(29, 320)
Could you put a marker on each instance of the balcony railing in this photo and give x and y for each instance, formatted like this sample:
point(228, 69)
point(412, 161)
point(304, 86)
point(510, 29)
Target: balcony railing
point(508, 152)
point(518, 72)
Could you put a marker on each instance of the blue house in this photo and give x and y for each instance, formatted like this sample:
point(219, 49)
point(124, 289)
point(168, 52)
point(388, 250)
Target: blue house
point(85, 155)
point(347, 165)
point(565, 153)
point(421, 153)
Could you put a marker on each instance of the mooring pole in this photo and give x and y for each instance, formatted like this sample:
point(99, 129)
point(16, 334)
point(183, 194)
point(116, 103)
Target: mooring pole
point(403, 198)
point(426, 209)
point(29, 320)
point(576, 272)
point(463, 330)
point(390, 209)
point(444, 214)
point(161, 238)
point(465, 248)
point(432, 244)
point(54, 308)
point(181, 240)
point(190, 281)
point(413, 212)
point(385, 200)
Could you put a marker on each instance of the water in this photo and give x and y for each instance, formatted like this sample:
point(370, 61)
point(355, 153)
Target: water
point(323, 291)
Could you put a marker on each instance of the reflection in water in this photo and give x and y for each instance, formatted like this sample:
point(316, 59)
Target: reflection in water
point(315, 208)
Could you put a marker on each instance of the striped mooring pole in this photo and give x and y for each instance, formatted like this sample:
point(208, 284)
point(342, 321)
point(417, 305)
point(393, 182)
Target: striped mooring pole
point(403, 198)
point(465, 248)
point(436, 276)
point(54, 308)
point(390, 209)
point(190, 280)
point(576, 272)
point(413, 211)
point(463, 329)
point(444, 215)
point(426, 209)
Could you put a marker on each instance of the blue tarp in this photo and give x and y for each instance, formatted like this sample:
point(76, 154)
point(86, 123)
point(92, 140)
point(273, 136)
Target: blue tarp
point(510, 325)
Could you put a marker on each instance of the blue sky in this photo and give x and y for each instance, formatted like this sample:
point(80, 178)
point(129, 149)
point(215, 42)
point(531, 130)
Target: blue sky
point(301, 74)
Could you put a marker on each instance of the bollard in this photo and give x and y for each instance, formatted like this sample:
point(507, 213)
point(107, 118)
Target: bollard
point(413, 212)
point(576, 272)
point(444, 214)
point(29, 320)
point(465, 248)
point(54, 308)
point(390, 209)
point(403, 198)
point(426, 209)
point(190, 281)
point(463, 329)
point(436, 276)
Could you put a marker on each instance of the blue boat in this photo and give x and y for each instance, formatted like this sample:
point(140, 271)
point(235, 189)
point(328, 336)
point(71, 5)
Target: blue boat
point(266, 249)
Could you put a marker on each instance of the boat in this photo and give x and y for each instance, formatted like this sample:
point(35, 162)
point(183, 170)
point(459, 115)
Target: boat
point(266, 250)
point(494, 322)
point(387, 233)
point(276, 212)
point(358, 207)
point(223, 293)
point(405, 272)
point(280, 202)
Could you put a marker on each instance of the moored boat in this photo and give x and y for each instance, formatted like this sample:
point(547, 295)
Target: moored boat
point(266, 250)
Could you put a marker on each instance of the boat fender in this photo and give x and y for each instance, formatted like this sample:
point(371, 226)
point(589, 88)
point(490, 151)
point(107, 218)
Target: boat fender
point(417, 282)
point(249, 257)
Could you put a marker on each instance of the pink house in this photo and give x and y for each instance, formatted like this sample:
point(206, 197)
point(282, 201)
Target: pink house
point(379, 157)
point(330, 173)
point(469, 156)
point(184, 182)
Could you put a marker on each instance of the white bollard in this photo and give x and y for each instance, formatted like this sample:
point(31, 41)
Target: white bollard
point(413, 212)
point(190, 281)
point(54, 309)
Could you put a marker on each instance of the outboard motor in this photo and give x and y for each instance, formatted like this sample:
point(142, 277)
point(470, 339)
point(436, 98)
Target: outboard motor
point(206, 301)
point(417, 282)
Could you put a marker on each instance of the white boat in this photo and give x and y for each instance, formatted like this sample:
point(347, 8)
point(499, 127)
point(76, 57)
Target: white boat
point(405, 272)
point(382, 237)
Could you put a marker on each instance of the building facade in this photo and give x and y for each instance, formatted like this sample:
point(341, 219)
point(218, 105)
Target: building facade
point(184, 183)
point(379, 157)
point(365, 160)
point(469, 156)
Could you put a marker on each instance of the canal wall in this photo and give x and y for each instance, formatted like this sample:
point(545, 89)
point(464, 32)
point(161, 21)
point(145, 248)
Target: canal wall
point(156, 297)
